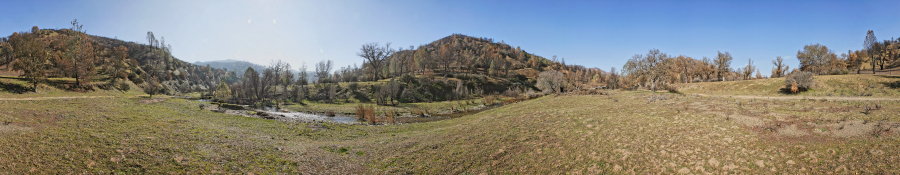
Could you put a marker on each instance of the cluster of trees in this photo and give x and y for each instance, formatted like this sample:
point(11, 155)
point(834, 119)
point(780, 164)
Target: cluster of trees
point(875, 55)
point(67, 53)
point(464, 66)
point(656, 70)
point(94, 61)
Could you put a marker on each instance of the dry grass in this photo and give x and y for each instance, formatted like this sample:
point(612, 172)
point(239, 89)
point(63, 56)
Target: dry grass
point(366, 113)
point(619, 133)
point(825, 85)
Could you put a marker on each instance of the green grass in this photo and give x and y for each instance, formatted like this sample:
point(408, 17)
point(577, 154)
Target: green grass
point(826, 85)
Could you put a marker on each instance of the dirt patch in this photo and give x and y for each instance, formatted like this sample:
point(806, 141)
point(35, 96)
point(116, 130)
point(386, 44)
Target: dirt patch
point(152, 100)
point(792, 130)
point(856, 128)
point(747, 120)
point(10, 128)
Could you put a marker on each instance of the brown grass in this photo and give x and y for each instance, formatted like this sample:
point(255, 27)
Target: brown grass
point(389, 116)
point(366, 113)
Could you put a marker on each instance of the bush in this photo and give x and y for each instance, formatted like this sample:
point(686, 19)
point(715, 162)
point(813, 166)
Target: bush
point(798, 81)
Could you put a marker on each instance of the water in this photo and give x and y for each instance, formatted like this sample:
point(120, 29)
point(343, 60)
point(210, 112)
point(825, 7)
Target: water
point(317, 117)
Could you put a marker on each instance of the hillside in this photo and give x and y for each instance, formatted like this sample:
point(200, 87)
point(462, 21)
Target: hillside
point(97, 56)
point(459, 54)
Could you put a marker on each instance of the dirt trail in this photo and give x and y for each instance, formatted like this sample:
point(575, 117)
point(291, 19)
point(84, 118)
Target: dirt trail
point(804, 97)
point(51, 98)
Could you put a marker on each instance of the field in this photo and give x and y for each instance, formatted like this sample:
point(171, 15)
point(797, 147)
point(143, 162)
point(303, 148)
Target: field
point(621, 132)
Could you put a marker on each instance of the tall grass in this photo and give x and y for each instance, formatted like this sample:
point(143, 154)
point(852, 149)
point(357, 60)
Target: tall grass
point(366, 113)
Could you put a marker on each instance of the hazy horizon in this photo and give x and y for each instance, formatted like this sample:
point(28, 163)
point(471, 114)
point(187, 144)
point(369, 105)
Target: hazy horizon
point(593, 34)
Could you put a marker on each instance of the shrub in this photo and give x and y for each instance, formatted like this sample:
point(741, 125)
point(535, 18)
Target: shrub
point(551, 81)
point(798, 81)
point(366, 113)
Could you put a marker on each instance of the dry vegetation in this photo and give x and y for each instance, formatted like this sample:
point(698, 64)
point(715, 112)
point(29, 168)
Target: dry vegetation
point(613, 132)
point(825, 85)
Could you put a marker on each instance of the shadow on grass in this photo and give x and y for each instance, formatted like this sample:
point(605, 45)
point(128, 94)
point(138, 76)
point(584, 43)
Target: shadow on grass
point(14, 88)
point(892, 85)
point(787, 91)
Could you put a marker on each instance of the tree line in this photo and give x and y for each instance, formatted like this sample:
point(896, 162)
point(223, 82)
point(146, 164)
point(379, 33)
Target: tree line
point(657, 70)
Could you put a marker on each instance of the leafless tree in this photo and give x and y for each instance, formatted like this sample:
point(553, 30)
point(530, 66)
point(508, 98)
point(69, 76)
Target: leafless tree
point(779, 69)
point(323, 71)
point(375, 55)
point(869, 45)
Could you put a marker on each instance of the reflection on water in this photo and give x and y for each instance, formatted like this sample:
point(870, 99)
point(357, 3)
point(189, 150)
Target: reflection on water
point(316, 117)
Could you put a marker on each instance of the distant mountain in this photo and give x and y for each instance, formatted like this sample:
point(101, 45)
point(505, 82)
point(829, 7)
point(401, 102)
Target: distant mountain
point(236, 66)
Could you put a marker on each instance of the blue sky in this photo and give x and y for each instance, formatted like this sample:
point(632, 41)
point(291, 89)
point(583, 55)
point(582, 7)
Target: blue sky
point(600, 34)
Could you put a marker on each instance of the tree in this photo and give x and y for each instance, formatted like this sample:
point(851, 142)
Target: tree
point(119, 63)
point(153, 87)
point(747, 71)
point(80, 53)
point(551, 81)
point(29, 57)
point(816, 58)
point(323, 71)
point(779, 68)
point(613, 81)
point(375, 55)
point(869, 45)
point(5, 52)
point(251, 84)
point(648, 70)
point(723, 64)
point(222, 92)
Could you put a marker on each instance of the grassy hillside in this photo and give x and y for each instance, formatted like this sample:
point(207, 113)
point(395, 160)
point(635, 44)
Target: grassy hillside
point(625, 132)
point(826, 85)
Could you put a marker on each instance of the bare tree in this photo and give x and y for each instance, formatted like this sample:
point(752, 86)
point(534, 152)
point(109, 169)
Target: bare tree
point(323, 71)
point(779, 69)
point(869, 45)
point(748, 70)
point(375, 55)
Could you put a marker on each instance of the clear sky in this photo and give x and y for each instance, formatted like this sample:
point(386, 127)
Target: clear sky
point(592, 33)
